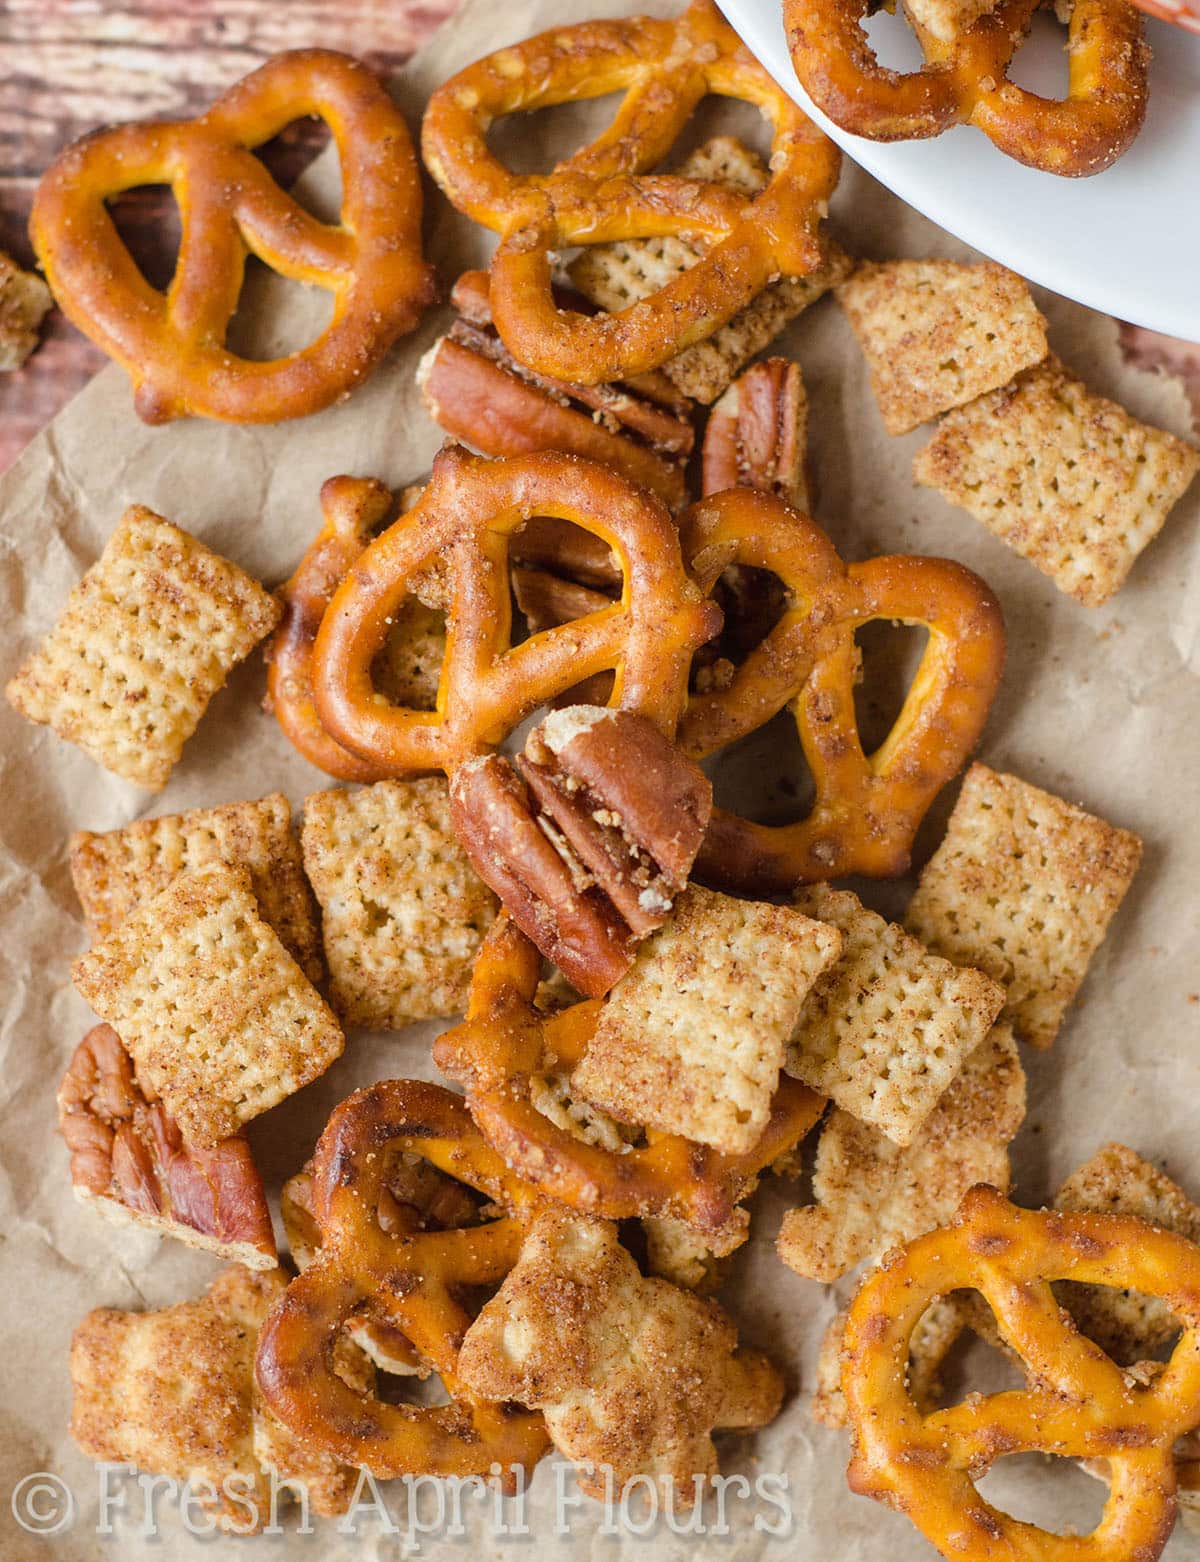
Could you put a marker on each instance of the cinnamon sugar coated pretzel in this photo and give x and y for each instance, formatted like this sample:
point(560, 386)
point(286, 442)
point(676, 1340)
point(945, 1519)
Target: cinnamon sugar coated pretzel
point(606, 191)
point(403, 1277)
point(867, 806)
point(1079, 1403)
point(463, 523)
point(964, 78)
point(505, 1048)
point(173, 345)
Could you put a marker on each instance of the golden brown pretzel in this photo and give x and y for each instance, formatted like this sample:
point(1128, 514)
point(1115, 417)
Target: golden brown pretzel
point(867, 806)
point(1079, 1404)
point(410, 1281)
point(506, 1041)
point(173, 344)
point(605, 192)
point(964, 81)
point(463, 521)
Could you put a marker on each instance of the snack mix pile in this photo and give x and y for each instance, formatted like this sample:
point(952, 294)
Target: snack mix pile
point(665, 1002)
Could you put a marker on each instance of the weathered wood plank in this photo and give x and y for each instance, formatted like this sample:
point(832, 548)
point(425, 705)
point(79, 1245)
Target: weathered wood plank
point(67, 66)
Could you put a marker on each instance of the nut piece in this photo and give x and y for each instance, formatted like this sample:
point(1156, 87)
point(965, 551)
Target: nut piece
point(476, 390)
point(547, 895)
point(757, 434)
point(587, 837)
point(129, 1157)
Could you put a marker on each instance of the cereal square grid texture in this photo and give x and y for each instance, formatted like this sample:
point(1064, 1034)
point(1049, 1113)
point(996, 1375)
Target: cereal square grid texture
point(886, 1031)
point(146, 639)
point(1023, 886)
point(613, 276)
point(172, 1392)
point(871, 1195)
point(691, 1039)
point(1069, 480)
point(220, 1021)
point(631, 1372)
point(1129, 1326)
point(937, 333)
point(403, 912)
point(115, 871)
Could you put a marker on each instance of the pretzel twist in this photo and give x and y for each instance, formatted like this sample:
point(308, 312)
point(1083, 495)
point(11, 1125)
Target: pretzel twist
point(1079, 1404)
point(506, 1041)
point(605, 191)
point(964, 81)
point(463, 523)
point(867, 806)
point(410, 1281)
point(173, 344)
point(352, 508)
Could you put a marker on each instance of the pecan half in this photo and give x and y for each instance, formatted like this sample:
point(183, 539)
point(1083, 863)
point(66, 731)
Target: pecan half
point(757, 434)
point(129, 1156)
point(587, 837)
point(478, 398)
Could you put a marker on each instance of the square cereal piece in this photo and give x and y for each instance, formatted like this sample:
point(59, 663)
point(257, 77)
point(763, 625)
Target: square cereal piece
point(403, 912)
point(146, 639)
point(886, 1031)
point(115, 871)
point(1069, 480)
point(1023, 886)
point(691, 1039)
point(871, 1195)
point(1131, 1327)
point(937, 333)
point(173, 1393)
point(220, 1021)
point(25, 300)
point(615, 275)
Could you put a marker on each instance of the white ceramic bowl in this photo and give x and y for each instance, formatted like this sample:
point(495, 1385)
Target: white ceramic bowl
point(1126, 241)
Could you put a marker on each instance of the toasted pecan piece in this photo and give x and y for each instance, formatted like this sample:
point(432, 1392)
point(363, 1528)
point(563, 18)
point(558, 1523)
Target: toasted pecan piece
point(476, 397)
point(130, 1159)
point(476, 390)
point(587, 836)
point(757, 434)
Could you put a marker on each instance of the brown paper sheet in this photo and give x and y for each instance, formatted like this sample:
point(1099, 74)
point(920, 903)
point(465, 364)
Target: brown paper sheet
point(1100, 706)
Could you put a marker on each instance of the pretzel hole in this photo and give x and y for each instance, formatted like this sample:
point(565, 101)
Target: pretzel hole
point(893, 41)
point(1042, 64)
point(718, 117)
point(148, 224)
point(287, 155)
point(408, 670)
point(1048, 1490)
point(275, 315)
point(889, 655)
point(768, 766)
point(535, 142)
point(1127, 1325)
point(948, 1360)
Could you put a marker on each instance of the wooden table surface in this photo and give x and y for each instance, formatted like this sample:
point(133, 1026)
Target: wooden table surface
point(67, 66)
